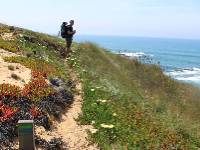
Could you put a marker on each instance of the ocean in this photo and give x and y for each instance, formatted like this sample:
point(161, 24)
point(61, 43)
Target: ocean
point(179, 58)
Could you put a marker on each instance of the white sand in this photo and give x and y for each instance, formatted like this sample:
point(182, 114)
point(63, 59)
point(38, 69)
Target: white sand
point(5, 74)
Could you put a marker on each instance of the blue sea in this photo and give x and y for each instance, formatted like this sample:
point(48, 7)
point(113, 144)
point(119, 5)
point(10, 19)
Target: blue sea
point(179, 58)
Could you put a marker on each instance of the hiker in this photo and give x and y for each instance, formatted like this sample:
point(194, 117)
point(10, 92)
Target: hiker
point(69, 36)
point(67, 33)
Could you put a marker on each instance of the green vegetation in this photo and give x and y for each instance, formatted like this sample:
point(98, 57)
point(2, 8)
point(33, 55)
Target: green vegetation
point(132, 105)
point(135, 106)
point(11, 67)
point(9, 45)
point(41, 52)
point(15, 76)
point(38, 99)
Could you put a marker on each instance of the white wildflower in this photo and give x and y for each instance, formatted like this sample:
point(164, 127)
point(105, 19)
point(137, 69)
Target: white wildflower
point(93, 131)
point(93, 122)
point(102, 100)
point(92, 90)
point(114, 114)
point(110, 126)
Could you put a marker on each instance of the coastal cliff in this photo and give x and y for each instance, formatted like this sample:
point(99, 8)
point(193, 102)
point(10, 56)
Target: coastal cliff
point(122, 103)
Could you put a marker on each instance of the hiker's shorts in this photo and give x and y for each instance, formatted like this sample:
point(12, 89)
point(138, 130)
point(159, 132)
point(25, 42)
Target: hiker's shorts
point(68, 42)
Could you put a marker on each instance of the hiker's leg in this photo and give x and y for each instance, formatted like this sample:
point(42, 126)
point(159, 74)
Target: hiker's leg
point(69, 43)
point(63, 52)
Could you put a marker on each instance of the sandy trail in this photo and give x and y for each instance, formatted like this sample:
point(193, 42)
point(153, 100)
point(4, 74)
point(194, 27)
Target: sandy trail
point(72, 134)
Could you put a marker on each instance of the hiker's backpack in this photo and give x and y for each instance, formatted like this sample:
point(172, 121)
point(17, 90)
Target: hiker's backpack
point(63, 31)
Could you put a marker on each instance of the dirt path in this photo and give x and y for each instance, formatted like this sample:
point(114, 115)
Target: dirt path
point(74, 135)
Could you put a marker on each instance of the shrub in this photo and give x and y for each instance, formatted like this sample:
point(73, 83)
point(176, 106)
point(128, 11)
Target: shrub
point(20, 104)
point(11, 67)
point(33, 64)
point(37, 87)
point(11, 90)
point(11, 46)
point(15, 76)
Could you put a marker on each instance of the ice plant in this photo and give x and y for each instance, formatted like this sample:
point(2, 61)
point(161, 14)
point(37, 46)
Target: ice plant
point(6, 112)
point(34, 112)
point(37, 87)
point(9, 90)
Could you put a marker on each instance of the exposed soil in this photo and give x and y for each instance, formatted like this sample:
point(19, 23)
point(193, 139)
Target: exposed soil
point(7, 36)
point(21, 71)
point(73, 135)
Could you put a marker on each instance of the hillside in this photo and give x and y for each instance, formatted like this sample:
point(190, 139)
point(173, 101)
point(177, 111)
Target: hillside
point(129, 104)
point(35, 83)
point(148, 110)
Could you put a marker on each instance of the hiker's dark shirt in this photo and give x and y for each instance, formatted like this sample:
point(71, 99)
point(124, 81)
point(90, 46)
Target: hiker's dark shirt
point(70, 29)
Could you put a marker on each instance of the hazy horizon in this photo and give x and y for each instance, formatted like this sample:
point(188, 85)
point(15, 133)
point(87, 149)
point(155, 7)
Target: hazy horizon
point(138, 18)
point(160, 37)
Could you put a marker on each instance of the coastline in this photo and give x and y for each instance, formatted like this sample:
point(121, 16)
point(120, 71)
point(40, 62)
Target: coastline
point(178, 58)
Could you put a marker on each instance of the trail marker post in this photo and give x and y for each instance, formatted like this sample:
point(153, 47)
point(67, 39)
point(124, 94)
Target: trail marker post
point(26, 135)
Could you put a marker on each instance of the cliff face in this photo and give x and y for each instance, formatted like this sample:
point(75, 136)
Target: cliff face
point(126, 104)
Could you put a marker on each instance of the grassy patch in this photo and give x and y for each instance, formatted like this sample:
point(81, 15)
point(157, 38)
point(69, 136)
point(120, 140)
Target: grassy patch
point(11, 46)
point(144, 108)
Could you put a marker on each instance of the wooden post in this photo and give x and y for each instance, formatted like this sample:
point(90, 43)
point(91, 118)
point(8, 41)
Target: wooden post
point(26, 135)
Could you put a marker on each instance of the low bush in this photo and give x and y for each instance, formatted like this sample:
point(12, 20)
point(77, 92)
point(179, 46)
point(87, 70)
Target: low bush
point(37, 100)
point(10, 67)
point(15, 76)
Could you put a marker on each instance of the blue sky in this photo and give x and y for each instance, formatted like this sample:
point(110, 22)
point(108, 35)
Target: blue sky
point(155, 18)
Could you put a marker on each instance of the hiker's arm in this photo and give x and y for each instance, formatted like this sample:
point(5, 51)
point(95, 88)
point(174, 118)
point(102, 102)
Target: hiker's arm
point(69, 32)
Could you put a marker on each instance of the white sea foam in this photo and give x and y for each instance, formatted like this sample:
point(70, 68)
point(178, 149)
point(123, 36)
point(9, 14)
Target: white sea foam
point(135, 54)
point(187, 74)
